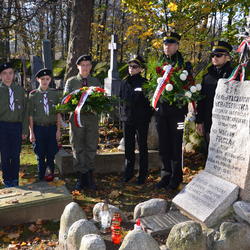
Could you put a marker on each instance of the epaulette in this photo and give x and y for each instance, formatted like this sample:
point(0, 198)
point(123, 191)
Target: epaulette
point(33, 92)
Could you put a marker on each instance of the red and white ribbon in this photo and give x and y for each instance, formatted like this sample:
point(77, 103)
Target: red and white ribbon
point(236, 71)
point(162, 84)
point(68, 97)
point(243, 44)
point(77, 112)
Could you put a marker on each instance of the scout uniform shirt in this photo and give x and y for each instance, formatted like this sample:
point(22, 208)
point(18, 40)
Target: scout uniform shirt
point(42, 106)
point(76, 82)
point(14, 108)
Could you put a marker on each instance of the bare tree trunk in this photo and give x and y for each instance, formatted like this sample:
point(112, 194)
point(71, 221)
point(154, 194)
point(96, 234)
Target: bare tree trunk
point(69, 11)
point(80, 27)
point(53, 29)
point(122, 35)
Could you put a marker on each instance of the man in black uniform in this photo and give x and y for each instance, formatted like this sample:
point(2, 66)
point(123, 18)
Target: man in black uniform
point(221, 68)
point(168, 120)
point(135, 114)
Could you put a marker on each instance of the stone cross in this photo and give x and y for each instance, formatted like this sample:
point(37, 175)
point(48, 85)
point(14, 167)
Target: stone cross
point(112, 82)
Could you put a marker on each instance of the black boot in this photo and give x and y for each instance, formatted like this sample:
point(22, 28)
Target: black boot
point(82, 181)
point(177, 175)
point(91, 180)
point(164, 181)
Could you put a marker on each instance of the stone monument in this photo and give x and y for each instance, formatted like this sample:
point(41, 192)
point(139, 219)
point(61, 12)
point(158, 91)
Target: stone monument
point(227, 169)
point(112, 82)
point(36, 64)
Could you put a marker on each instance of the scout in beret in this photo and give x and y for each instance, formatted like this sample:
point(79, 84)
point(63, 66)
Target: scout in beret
point(44, 124)
point(220, 68)
point(13, 124)
point(84, 140)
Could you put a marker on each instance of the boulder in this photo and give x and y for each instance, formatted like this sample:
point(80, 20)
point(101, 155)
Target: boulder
point(150, 207)
point(72, 213)
point(242, 209)
point(186, 236)
point(92, 242)
point(139, 240)
point(97, 208)
point(233, 236)
point(77, 231)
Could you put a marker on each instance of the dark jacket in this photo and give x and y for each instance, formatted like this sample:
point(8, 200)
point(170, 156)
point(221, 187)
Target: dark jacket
point(164, 108)
point(209, 84)
point(135, 107)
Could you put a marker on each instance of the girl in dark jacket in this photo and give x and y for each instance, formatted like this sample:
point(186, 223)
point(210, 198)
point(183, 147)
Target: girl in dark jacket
point(135, 115)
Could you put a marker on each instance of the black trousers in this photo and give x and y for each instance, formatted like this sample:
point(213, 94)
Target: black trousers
point(139, 130)
point(10, 148)
point(170, 144)
point(45, 148)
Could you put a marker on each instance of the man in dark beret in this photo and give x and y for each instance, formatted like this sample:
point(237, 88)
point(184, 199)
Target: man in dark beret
point(84, 140)
point(220, 68)
point(13, 124)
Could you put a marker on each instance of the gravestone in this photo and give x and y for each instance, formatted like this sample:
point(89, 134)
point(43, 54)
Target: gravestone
point(228, 164)
point(229, 147)
point(162, 223)
point(31, 202)
point(112, 82)
point(36, 65)
point(206, 198)
point(47, 57)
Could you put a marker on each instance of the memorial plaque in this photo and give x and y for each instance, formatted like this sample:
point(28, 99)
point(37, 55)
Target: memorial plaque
point(162, 223)
point(207, 198)
point(31, 202)
point(229, 148)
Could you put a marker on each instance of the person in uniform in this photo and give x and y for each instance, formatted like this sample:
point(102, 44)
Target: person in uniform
point(84, 140)
point(13, 124)
point(220, 68)
point(135, 115)
point(169, 120)
point(44, 124)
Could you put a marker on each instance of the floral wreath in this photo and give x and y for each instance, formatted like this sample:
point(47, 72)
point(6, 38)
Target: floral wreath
point(88, 99)
point(172, 84)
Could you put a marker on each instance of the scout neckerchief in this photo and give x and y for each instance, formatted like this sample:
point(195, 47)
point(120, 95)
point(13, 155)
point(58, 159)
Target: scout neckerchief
point(11, 99)
point(84, 82)
point(45, 103)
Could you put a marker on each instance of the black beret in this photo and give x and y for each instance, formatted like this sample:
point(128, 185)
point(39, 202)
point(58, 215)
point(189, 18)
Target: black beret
point(172, 37)
point(43, 72)
point(5, 66)
point(138, 60)
point(221, 46)
point(83, 58)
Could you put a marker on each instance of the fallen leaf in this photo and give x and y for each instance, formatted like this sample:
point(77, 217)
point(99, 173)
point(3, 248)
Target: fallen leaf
point(114, 194)
point(39, 221)
point(57, 183)
point(23, 244)
point(32, 228)
point(76, 193)
point(13, 235)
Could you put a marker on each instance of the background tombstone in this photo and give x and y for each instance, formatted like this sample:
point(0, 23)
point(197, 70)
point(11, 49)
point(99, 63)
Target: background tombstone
point(36, 65)
point(112, 82)
point(47, 58)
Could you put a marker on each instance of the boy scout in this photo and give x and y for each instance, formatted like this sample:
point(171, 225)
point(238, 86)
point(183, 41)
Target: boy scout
point(13, 124)
point(44, 123)
point(84, 140)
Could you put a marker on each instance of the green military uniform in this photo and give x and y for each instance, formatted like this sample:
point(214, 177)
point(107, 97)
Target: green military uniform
point(36, 106)
point(13, 123)
point(44, 127)
point(20, 102)
point(84, 140)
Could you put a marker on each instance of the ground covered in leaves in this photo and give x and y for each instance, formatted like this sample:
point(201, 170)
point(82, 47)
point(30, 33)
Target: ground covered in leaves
point(44, 234)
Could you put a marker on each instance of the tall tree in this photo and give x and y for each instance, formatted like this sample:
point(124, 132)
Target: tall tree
point(80, 27)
